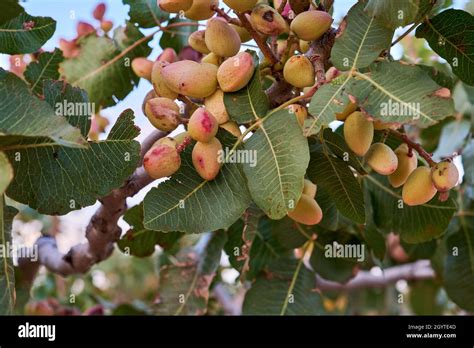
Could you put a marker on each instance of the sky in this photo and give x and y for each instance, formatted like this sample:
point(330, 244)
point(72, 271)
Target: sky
point(67, 13)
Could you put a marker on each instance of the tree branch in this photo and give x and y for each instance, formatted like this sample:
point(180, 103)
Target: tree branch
point(267, 52)
point(102, 231)
point(411, 271)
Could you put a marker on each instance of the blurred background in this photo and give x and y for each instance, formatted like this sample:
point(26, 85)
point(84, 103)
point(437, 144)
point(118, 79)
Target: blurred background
point(125, 284)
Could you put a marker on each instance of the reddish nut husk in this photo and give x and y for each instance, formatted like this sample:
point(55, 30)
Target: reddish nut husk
point(142, 67)
point(236, 72)
point(445, 176)
point(202, 126)
point(206, 158)
point(268, 21)
point(161, 161)
point(163, 113)
point(189, 78)
point(158, 82)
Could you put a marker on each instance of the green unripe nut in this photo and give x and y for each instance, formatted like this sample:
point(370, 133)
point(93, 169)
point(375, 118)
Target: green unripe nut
point(163, 113)
point(215, 105)
point(197, 41)
point(186, 77)
point(382, 159)
point(307, 211)
point(175, 6)
point(268, 21)
point(358, 133)
point(311, 25)
point(445, 176)
point(299, 72)
point(241, 5)
point(202, 126)
point(406, 165)
point(206, 158)
point(236, 72)
point(158, 82)
point(161, 161)
point(201, 9)
point(419, 188)
point(221, 38)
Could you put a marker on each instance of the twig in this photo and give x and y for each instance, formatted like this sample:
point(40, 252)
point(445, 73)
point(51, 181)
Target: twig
point(282, 6)
point(101, 233)
point(267, 52)
point(411, 271)
point(412, 145)
point(221, 13)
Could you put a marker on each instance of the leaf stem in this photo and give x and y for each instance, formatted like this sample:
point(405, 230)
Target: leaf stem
point(295, 277)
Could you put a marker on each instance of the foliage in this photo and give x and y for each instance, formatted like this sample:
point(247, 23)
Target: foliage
point(248, 195)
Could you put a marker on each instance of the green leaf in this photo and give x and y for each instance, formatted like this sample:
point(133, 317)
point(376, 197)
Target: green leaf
point(334, 175)
point(450, 34)
point(70, 102)
point(282, 156)
point(45, 68)
point(326, 102)
point(394, 14)
point(146, 13)
point(249, 103)
point(103, 66)
point(55, 179)
point(184, 287)
point(24, 115)
point(452, 138)
point(372, 236)
point(410, 98)
point(140, 242)
point(361, 41)
point(285, 288)
point(415, 224)
point(273, 239)
point(190, 204)
point(459, 263)
point(177, 38)
point(25, 34)
point(338, 147)
point(424, 298)
point(326, 261)
point(332, 218)
point(6, 173)
point(440, 73)
point(7, 273)
point(9, 9)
